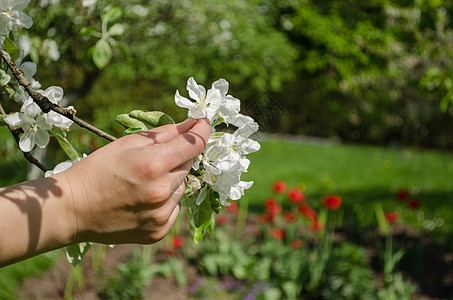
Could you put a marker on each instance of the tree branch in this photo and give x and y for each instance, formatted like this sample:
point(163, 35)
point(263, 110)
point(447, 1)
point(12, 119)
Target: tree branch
point(45, 104)
point(15, 132)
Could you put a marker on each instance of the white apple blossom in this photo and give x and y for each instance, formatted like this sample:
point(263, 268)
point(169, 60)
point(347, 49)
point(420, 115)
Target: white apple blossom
point(12, 17)
point(35, 130)
point(220, 166)
point(35, 123)
point(29, 69)
point(63, 166)
point(206, 105)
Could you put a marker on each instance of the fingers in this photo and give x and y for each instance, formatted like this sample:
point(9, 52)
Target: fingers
point(186, 146)
point(166, 133)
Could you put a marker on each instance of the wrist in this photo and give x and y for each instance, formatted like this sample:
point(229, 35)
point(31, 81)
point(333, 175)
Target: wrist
point(67, 217)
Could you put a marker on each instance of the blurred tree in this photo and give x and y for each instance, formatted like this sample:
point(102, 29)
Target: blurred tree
point(369, 71)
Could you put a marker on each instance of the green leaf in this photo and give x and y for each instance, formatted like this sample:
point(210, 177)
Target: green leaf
point(202, 213)
point(152, 118)
point(178, 271)
point(130, 123)
point(117, 29)
point(88, 30)
point(197, 232)
point(111, 14)
point(102, 54)
point(76, 252)
point(211, 226)
point(12, 49)
point(272, 293)
point(4, 78)
point(67, 147)
point(380, 217)
point(215, 204)
point(2, 120)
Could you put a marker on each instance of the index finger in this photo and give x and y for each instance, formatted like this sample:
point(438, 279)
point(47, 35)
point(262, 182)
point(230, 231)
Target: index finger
point(188, 145)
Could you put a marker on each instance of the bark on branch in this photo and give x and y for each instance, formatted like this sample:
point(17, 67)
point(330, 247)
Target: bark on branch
point(45, 104)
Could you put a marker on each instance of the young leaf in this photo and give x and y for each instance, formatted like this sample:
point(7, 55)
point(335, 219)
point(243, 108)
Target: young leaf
point(2, 119)
point(211, 226)
point(65, 144)
point(111, 14)
point(128, 122)
point(12, 49)
point(117, 29)
point(201, 213)
point(152, 118)
point(4, 78)
point(102, 54)
point(76, 252)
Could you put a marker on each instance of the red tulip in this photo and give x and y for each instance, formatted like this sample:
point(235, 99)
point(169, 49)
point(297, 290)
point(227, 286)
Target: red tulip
point(289, 217)
point(279, 187)
point(222, 220)
point(277, 234)
point(296, 195)
point(402, 195)
point(392, 216)
point(332, 202)
point(297, 243)
point(233, 208)
point(414, 204)
point(177, 242)
point(272, 206)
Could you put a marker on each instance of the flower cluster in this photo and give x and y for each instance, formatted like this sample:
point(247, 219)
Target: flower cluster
point(294, 195)
point(12, 17)
point(219, 167)
point(35, 123)
point(31, 119)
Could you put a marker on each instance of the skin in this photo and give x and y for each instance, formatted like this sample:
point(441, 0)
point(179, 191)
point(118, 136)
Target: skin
point(125, 192)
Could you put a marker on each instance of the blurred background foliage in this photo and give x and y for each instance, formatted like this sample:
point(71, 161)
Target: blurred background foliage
point(375, 71)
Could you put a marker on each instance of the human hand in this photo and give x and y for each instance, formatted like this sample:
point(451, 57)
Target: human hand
point(129, 190)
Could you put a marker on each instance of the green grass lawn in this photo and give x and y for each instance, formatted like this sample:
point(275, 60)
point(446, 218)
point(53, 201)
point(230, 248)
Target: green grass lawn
point(360, 174)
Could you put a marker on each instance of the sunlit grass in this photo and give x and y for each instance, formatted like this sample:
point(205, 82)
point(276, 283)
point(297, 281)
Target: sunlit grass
point(360, 174)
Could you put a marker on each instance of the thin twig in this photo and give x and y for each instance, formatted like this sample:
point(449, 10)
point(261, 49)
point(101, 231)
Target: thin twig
point(15, 132)
point(45, 104)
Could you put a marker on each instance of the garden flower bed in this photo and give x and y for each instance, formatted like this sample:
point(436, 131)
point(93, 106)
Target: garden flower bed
point(290, 251)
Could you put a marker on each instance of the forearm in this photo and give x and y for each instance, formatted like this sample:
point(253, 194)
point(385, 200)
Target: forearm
point(35, 217)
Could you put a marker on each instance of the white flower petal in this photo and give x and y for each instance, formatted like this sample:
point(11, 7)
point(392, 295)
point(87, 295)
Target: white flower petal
point(62, 167)
point(196, 162)
point(27, 141)
point(13, 120)
point(196, 91)
point(249, 146)
point(29, 69)
point(30, 108)
point(42, 138)
point(41, 122)
point(211, 169)
point(240, 120)
point(19, 5)
point(222, 86)
point(25, 20)
point(54, 93)
point(183, 101)
point(247, 130)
